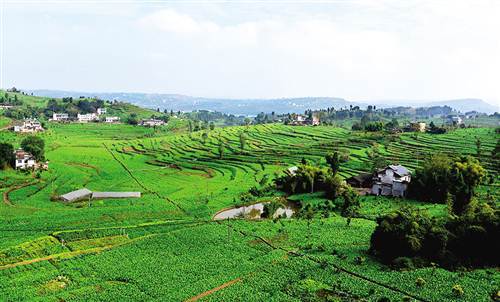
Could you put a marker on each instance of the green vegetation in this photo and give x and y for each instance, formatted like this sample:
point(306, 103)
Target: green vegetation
point(165, 245)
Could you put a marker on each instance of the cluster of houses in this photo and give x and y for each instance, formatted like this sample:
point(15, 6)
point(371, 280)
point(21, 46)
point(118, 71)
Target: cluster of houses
point(302, 120)
point(392, 180)
point(26, 161)
point(29, 126)
point(85, 118)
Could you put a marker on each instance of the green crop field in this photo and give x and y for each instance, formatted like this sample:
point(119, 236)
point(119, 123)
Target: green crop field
point(165, 246)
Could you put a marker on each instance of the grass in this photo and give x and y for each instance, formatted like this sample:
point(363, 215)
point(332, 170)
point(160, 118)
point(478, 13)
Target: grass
point(164, 245)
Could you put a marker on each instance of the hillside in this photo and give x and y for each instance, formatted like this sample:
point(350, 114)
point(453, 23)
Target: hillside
point(33, 105)
point(165, 245)
point(255, 106)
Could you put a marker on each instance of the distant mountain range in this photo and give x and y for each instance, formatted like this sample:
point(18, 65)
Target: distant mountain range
point(254, 106)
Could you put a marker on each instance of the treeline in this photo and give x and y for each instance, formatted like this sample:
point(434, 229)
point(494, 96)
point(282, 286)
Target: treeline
point(466, 237)
point(307, 178)
point(10, 100)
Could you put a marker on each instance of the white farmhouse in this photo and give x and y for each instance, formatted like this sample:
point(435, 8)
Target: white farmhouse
point(24, 160)
point(29, 125)
point(454, 120)
point(84, 118)
point(59, 117)
point(112, 119)
point(152, 123)
point(101, 111)
point(391, 181)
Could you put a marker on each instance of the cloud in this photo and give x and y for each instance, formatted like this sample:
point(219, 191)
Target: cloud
point(171, 21)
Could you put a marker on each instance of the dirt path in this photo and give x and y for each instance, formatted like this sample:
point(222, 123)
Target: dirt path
point(6, 199)
point(75, 164)
point(213, 290)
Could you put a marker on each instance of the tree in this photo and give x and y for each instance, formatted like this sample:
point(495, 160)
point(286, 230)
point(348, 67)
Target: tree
point(7, 157)
point(466, 175)
point(378, 161)
point(478, 147)
point(204, 137)
point(221, 149)
point(350, 207)
point(132, 119)
point(212, 126)
point(334, 161)
point(35, 146)
point(243, 140)
point(431, 181)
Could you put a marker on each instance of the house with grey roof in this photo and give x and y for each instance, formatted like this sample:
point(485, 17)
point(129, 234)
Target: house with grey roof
point(392, 180)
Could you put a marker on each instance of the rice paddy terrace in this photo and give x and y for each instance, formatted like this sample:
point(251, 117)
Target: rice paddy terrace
point(165, 245)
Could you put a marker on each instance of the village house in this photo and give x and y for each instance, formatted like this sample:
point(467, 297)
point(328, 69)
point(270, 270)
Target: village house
point(417, 126)
point(25, 161)
point(454, 120)
point(101, 111)
point(84, 118)
point(112, 119)
point(29, 126)
point(301, 120)
point(392, 180)
point(151, 123)
point(60, 117)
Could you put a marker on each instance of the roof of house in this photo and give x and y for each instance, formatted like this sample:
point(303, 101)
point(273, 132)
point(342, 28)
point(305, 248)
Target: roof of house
point(21, 154)
point(75, 195)
point(398, 169)
point(116, 194)
point(292, 170)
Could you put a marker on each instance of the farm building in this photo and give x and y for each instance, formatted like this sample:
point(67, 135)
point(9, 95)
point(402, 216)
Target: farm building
point(300, 120)
point(60, 117)
point(77, 195)
point(151, 123)
point(84, 118)
point(87, 194)
point(417, 126)
point(101, 111)
point(112, 119)
point(24, 160)
point(29, 126)
point(102, 195)
point(292, 170)
point(454, 120)
point(391, 181)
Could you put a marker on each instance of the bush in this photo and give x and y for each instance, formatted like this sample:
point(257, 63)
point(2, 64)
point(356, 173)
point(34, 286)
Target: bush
point(457, 290)
point(420, 282)
point(408, 238)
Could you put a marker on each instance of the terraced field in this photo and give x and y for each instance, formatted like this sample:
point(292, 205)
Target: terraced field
point(165, 246)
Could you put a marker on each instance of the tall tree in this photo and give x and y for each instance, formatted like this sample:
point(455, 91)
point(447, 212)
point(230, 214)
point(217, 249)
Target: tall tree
point(35, 146)
point(466, 175)
point(6, 155)
point(243, 140)
point(334, 161)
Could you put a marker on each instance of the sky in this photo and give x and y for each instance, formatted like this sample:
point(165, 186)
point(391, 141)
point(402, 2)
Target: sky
point(359, 50)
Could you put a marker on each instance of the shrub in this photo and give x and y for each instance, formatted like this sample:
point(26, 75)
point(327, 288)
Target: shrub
point(457, 290)
point(420, 282)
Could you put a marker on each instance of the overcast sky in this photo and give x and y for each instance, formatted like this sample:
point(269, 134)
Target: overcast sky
point(358, 50)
